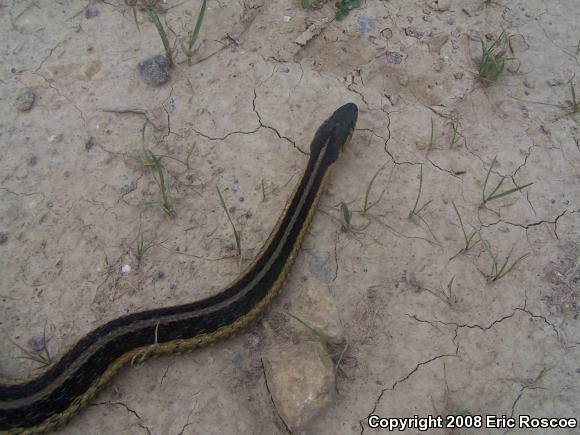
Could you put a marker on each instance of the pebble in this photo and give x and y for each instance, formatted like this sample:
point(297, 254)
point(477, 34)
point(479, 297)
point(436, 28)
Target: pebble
point(158, 275)
point(320, 266)
point(89, 143)
point(24, 100)
point(3, 238)
point(301, 380)
point(394, 57)
point(441, 5)
point(458, 75)
point(91, 12)
point(364, 24)
point(154, 70)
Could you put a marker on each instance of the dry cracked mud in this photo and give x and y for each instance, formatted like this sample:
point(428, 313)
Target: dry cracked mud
point(428, 332)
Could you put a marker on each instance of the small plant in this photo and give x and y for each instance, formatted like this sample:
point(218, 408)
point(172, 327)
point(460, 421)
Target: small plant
point(416, 211)
point(157, 22)
point(195, 32)
point(468, 238)
point(431, 137)
point(497, 271)
point(142, 245)
point(307, 4)
point(343, 7)
point(37, 350)
point(236, 233)
point(148, 158)
point(366, 205)
point(346, 215)
point(575, 103)
point(495, 194)
point(456, 132)
point(493, 58)
point(541, 375)
point(336, 349)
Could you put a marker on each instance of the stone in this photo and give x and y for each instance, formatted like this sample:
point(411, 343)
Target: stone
point(441, 5)
point(301, 380)
point(24, 100)
point(320, 265)
point(154, 70)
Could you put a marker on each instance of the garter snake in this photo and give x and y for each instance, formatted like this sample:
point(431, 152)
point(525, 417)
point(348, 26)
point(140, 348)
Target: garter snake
point(50, 399)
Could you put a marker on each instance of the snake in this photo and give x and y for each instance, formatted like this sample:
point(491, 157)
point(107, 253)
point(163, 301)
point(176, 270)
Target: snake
point(57, 393)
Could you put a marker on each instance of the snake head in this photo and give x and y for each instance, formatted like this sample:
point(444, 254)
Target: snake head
point(335, 133)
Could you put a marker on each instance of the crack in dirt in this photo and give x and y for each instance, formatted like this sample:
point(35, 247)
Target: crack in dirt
point(400, 381)
point(128, 409)
point(492, 324)
point(272, 399)
point(533, 224)
point(273, 128)
point(51, 85)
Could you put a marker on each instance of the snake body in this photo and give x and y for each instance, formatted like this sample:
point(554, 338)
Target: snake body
point(42, 403)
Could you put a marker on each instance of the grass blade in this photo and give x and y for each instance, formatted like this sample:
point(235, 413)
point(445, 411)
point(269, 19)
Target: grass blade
point(195, 32)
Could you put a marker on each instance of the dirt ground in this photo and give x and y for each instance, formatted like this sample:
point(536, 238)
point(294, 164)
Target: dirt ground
point(428, 332)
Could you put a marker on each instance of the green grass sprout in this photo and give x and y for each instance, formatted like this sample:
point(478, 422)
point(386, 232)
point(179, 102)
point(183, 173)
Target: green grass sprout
point(468, 238)
point(366, 205)
point(346, 215)
point(495, 194)
point(415, 211)
point(236, 233)
point(336, 349)
point(575, 103)
point(151, 160)
point(164, 39)
point(493, 58)
point(195, 32)
point(38, 351)
point(497, 271)
point(343, 7)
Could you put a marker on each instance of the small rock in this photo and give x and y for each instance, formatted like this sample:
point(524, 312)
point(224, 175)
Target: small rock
point(36, 343)
point(364, 24)
point(403, 80)
point(441, 5)
point(32, 160)
point(24, 100)
point(301, 381)
point(159, 275)
point(394, 57)
point(91, 12)
point(89, 143)
point(528, 84)
point(3, 238)
point(438, 65)
point(308, 34)
point(128, 188)
point(320, 266)
point(56, 138)
point(458, 75)
point(154, 70)
point(554, 82)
